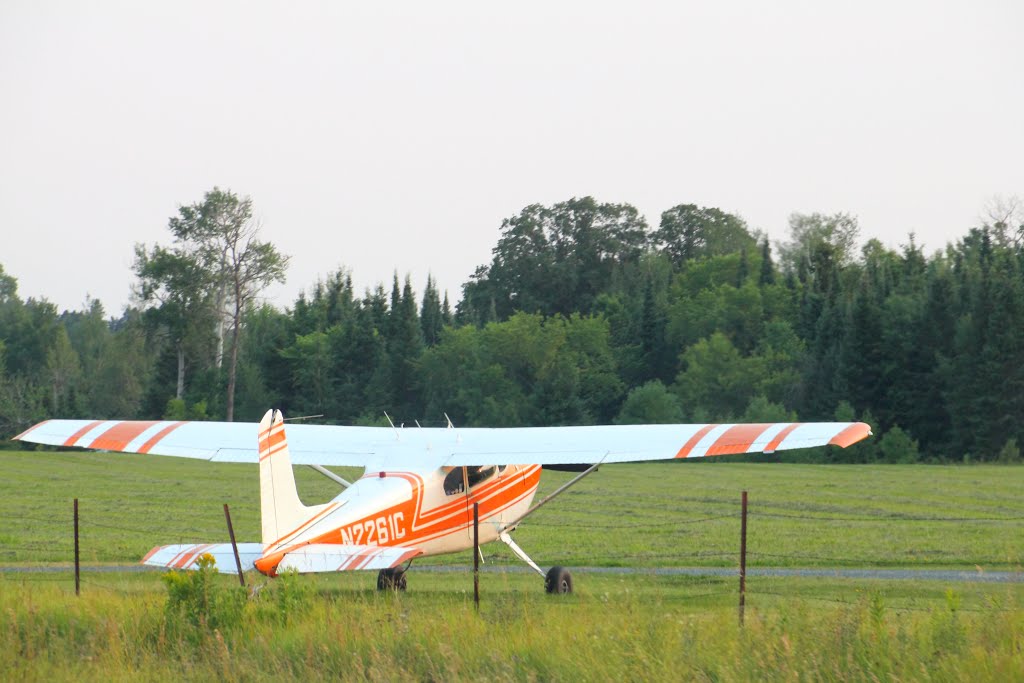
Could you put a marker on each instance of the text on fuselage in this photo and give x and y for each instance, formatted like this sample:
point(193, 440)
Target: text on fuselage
point(375, 531)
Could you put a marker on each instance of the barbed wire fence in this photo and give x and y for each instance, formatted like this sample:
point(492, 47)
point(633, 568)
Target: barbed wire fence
point(51, 561)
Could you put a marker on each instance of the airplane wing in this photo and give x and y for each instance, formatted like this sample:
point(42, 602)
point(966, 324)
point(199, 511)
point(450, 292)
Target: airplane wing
point(307, 559)
point(380, 448)
point(319, 557)
point(183, 556)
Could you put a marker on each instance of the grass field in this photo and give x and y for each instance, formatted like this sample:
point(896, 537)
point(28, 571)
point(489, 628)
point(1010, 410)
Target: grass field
point(674, 514)
point(615, 627)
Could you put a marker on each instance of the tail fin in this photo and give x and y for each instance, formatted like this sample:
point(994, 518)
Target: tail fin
point(281, 510)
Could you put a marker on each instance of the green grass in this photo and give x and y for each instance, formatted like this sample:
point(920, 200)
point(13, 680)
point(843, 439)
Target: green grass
point(673, 514)
point(615, 627)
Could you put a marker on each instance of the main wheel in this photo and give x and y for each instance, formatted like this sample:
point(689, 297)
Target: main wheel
point(391, 579)
point(558, 580)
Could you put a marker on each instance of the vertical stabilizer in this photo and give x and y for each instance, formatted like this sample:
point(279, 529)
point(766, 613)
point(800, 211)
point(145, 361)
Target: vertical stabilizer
point(281, 510)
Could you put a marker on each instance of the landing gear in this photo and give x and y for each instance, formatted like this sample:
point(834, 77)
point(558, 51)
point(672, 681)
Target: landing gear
point(391, 579)
point(558, 580)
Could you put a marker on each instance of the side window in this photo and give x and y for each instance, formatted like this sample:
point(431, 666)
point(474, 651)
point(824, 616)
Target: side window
point(478, 475)
point(453, 482)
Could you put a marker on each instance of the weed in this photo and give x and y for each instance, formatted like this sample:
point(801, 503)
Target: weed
point(198, 599)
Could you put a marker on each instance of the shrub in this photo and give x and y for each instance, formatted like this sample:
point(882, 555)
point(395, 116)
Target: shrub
point(1010, 452)
point(897, 447)
point(196, 598)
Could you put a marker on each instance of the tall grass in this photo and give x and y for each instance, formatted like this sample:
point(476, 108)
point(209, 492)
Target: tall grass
point(289, 632)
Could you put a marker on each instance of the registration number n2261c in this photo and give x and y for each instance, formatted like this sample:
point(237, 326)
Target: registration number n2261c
point(378, 530)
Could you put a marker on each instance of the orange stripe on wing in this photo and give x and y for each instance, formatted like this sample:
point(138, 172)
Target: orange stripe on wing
point(180, 553)
point(370, 557)
point(694, 440)
point(146, 447)
point(150, 554)
point(774, 443)
point(405, 556)
point(352, 561)
point(737, 439)
point(189, 559)
point(82, 432)
point(120, 435)
point(851, 435)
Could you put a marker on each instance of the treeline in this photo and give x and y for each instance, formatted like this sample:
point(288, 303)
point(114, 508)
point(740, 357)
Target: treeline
point(584, 315)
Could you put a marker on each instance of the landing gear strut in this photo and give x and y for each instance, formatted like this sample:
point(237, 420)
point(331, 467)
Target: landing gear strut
point(558, 580)
point(391, 579)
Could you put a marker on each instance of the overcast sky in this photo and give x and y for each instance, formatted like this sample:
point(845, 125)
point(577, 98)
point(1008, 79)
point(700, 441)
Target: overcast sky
point(399, 137)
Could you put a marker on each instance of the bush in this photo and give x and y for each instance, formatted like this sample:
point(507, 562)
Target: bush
point(650, 404)
point(1010, 453)
point(760, 409)
point(196, 598)
point(897, 447)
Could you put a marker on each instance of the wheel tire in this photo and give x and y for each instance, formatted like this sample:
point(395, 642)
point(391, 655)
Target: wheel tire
point(558, 581)
point(391, 580)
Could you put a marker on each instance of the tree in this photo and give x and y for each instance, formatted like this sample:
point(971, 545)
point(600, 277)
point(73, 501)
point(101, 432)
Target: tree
point(688, 232)
point(431, 314)
point(555, 260)
point(182, 286)
point(767, 275)
point(651, 403)
point(716, 382)
point(818, 246)
point(63, 371)
point(222, 233)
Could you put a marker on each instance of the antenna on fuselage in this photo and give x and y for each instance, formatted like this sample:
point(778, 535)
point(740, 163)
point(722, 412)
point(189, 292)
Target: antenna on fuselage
point(301, 417)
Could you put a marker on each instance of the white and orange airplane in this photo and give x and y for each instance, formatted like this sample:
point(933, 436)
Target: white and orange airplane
point(419, 487)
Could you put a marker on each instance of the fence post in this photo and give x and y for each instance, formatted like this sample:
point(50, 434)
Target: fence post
point(77, 574)
point(476, 555)
point(743, 556)
point(234, 546)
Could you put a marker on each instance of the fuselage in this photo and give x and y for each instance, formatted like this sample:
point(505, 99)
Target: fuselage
point(429, 510)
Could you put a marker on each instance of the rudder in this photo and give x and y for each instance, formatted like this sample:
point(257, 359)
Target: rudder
point(281, 511)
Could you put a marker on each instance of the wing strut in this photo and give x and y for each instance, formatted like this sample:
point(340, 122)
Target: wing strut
point(551, 496)
point(330, 475)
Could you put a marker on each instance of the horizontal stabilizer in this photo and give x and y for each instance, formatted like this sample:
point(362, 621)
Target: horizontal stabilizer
point(184, 556)
point(319, 557)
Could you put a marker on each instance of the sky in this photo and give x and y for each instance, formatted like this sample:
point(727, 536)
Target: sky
point(396, 137)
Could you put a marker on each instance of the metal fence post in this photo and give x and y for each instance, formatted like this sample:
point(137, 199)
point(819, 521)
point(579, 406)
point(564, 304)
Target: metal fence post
point(234, 546)
point(743, 556)
point(476, 555)
point(77, 574)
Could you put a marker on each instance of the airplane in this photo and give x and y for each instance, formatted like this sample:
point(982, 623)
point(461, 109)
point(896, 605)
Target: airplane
point(417, 493)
